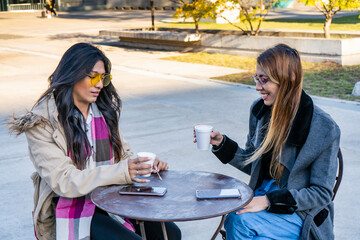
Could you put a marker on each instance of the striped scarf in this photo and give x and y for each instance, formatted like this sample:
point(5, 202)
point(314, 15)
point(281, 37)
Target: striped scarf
point(74, 215)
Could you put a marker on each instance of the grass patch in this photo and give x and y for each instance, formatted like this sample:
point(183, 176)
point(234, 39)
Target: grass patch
point(320, 79)
point(346, 23)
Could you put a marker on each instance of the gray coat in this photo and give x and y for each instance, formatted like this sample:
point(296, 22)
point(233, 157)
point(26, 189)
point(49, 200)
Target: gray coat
point(310, 160)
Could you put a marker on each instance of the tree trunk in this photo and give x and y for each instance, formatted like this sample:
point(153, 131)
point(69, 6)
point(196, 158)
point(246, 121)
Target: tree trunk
point(251, 27)
point(152, 14)
point(258, 28)
point(327, 26)
point(196, 26)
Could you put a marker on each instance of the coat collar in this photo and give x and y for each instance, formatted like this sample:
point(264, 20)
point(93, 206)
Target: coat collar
point(301, 125)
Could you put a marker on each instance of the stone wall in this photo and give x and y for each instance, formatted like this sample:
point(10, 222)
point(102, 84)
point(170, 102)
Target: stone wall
point(69, 5)
point(342, 51)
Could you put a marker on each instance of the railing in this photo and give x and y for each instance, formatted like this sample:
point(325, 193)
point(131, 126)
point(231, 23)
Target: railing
point(25, 6)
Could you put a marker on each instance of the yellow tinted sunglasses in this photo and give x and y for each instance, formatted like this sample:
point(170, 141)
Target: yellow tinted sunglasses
point(97, 77)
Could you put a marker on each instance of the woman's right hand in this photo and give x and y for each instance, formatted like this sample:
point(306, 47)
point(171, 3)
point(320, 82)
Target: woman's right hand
point(136, 167)
point(215, 138)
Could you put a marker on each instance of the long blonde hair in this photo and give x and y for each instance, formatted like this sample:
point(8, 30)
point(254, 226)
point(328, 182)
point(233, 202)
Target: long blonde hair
point(283, 65)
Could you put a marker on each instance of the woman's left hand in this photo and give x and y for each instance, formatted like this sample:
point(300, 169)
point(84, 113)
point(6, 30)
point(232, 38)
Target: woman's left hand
point(257, 204)
point(160, 165)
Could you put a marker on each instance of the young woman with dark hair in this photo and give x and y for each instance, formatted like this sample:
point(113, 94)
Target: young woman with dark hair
point(290, 155)
point(75, 146)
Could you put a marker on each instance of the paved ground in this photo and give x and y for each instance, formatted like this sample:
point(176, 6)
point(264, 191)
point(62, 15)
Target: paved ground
point(162, 101)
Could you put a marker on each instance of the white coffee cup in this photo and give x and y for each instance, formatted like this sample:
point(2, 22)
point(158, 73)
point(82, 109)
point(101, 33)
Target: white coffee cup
point(152, 157)
point(202, 133)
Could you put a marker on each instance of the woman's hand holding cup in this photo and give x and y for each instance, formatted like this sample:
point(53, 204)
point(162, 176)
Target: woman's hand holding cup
point(138, 166)
point(216, 138)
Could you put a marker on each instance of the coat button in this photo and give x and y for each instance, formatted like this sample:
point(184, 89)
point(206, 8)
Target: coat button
point(291, 210)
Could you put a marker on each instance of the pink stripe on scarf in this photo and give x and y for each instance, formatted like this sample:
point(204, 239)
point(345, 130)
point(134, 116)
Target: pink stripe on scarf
point(67, 208)
point(71, 218)
point(101, 128)
point(71, 229)
point(129, 225)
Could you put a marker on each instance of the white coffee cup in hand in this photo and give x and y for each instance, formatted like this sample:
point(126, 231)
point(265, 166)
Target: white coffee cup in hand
point(202, 133)
point(152, 157)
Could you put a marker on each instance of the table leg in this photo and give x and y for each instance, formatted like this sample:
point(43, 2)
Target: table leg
point(219, 227)
point(164, 230)
point(142, 230)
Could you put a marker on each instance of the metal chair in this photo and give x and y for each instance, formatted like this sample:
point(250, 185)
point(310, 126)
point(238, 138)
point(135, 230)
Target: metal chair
point(335, 189)
point(339, 175)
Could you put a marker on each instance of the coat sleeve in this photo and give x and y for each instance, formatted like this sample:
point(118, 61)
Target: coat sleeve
point(60, 173)
point(230, 152)
point(322, 172)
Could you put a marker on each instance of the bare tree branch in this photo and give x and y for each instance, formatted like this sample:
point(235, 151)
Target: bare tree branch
point(232, 23)
point(337, 11)
point(320, 9)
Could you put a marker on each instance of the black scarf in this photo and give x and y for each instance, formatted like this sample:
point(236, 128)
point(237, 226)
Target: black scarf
point(298, 133)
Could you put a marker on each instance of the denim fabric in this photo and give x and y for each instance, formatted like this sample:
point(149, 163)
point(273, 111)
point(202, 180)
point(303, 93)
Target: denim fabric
point(263, 225)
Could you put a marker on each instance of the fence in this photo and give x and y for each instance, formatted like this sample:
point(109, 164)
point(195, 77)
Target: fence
point(26, 6)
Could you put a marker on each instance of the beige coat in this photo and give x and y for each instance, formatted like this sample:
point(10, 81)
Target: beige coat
point(55, 171)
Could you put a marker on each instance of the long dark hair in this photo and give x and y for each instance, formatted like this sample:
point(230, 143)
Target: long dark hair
point(75, 64)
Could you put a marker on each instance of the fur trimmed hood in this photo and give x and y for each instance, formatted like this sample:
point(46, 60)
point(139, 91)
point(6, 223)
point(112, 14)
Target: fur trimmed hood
point(45, 112)
point(19, 124)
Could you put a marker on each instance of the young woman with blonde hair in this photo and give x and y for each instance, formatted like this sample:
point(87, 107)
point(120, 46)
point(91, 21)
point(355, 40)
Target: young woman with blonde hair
point(290, 154)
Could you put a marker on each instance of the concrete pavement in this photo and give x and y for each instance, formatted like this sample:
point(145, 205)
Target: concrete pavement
point(162, 101)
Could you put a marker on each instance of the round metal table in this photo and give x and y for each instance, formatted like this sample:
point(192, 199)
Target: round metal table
point(179, 203)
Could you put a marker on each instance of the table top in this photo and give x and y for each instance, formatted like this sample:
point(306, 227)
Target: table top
point(179, 203)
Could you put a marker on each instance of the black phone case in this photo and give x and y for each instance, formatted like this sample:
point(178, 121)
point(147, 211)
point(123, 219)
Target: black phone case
point(158, 191)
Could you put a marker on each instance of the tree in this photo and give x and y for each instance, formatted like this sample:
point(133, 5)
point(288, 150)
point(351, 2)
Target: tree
point(152, 15)
point(196, 10)
point(330, 7)
point(251, 13)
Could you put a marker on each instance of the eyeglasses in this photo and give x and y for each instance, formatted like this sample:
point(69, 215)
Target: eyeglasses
point(262, 79)
point(97, 77)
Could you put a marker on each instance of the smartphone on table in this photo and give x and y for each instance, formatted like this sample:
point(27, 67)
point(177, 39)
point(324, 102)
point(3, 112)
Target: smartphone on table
point(143, 190)
point(218, 193)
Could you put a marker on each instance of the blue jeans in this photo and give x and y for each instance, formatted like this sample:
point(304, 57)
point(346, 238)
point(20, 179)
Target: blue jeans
point(263, 225)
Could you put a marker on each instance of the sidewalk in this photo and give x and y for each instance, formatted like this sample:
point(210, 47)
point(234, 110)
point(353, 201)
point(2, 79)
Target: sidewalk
point(162, 100)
